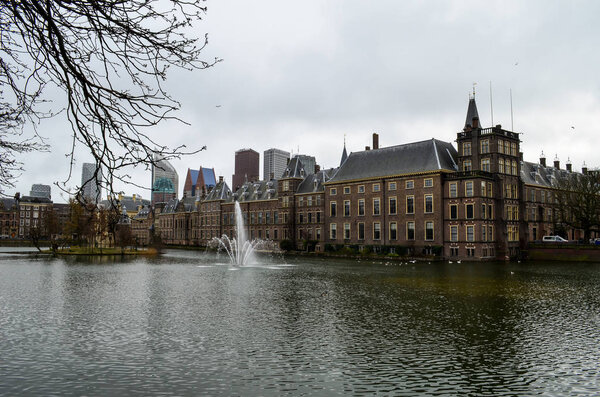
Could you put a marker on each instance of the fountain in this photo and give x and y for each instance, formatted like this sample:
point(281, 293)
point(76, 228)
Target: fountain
point(239, 249)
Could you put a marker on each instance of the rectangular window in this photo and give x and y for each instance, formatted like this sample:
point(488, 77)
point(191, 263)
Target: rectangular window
point(346, 207)
point(501, 166)
point(485, 165)
point(361, 231)
point(410, 184)
point(467, 149)
point(500, 146)
point(483, 189)
point(469, 211)
point(361, 189)
point(376, 207)
point(361, 207)
point(513, 149)
point(332, 208)
point(453, 189)
point(453, 233)
point(514, 168)
point(393, 231)
point(346, 231)
point(300, 201)
point(485, 146)
point(410, 230)
point(483, 211)
point(275, 218)
point(309, 201)
point(506, 147)
point(428, 182)
point(491, 233)
point(376, 187)
point(376, 231)
point(392, 185)
point(483, 233)
point(410, 204)
point(470, 233)
point(333, 191)
point(346, 189)
point(429, 230)
point(286, 186)
point(467, 166)
point(429, 203)
point(453, 211)
point(469, 188)
point(392, 206)
point(489, 189)
point(317, 234)
point(332, 231)
point(318, 216)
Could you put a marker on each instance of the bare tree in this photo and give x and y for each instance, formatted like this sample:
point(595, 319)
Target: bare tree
point(578, 202)
point(110, 59)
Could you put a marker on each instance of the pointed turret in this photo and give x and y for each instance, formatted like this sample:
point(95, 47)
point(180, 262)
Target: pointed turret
point(344, 155)
point(472, 120)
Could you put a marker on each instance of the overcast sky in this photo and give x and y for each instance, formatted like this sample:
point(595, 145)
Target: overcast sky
point(301, 75)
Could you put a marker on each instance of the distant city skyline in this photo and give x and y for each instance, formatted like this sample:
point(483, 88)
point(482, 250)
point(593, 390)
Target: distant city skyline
point(301, 76)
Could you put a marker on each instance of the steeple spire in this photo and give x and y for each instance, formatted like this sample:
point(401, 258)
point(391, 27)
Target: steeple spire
point(472, 114)
point(344, 153)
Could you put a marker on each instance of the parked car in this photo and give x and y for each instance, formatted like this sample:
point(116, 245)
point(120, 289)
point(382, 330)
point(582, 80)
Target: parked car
point(554, 239)
point(595, 241)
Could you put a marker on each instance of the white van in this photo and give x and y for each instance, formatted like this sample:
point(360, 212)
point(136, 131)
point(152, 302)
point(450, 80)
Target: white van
point(554, 239)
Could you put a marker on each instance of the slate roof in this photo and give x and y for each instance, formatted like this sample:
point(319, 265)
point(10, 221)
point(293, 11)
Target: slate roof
point(316, 182)
point(143, 213)
point(424, 156)
point(536, 174)
point(259, 190)
point(294, 169)
point(7, 203)
point(170, 206)
point(220, 192)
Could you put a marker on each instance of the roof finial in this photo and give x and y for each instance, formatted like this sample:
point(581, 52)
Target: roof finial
point(474, 84)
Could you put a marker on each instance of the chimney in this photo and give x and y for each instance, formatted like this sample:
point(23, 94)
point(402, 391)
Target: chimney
point(220, 178)
point(367, 148)
point(375, 141)
point(556, 162)
point(543, 159)
point(521, 156)
point(133, 197)
point(584, 169)
point(569, 165)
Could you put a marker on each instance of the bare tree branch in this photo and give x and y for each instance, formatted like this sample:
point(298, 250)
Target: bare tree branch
point(110, 58)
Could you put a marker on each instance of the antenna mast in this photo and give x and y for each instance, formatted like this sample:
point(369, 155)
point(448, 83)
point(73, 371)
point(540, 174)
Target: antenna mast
point(512, 127)
point(491, 104)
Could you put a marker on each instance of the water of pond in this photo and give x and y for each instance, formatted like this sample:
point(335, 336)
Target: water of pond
point(188, 324)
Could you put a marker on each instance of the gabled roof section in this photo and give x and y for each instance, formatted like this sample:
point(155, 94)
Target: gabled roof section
point(294, 169)
point(471, 113)
point(424, 156)
point(259, 190)
point(536, 174)
point(316, 182)
point(220, 192)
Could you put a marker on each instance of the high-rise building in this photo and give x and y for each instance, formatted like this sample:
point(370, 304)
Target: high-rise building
point(165, 181)
point(199, 182)
point(91, 182)
point(246, 167)
point(39, 190)
point(309, 163)
point(275, 161)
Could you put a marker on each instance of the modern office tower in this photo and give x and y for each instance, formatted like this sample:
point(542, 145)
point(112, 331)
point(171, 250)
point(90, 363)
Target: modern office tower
point(246, 167)
point(42, 191)
point(91, 182)
point(199, 182)
point(165, 181)
point(309, 163)
point(275, 161)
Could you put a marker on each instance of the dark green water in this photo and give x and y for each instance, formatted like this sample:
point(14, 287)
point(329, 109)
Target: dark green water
point(186, 324)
